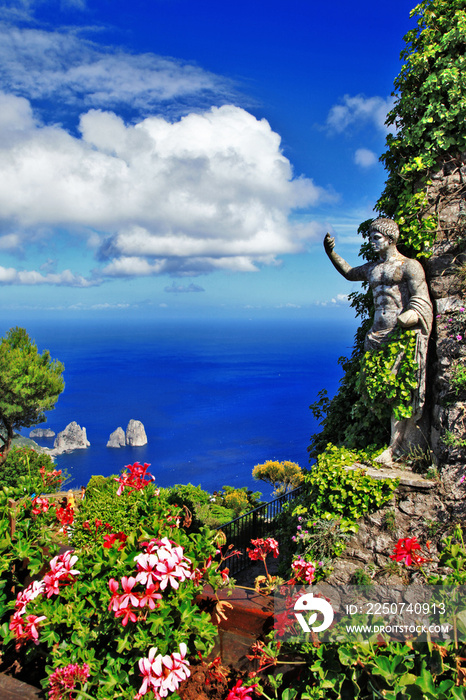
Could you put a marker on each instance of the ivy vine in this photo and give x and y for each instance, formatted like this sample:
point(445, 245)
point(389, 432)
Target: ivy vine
point(389, 375)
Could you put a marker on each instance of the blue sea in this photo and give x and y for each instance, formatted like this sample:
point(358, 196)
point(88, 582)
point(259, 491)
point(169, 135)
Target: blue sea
point(216, 397)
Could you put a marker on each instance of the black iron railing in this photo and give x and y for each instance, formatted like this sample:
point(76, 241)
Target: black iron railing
point(250, 526)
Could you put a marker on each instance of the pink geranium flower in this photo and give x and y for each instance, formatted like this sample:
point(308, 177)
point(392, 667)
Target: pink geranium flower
point(30, 629)
point(61, 572)
point(150, 597)
point(175, 670)
point(146, 564)
point(30, 593)
point(303, 570)
point(40, 505)
point(63, 681)
point(162, 675)
point(128, 597)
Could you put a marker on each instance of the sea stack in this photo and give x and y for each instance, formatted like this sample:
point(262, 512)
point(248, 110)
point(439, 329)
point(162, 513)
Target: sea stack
point(135, 434)
point(41, 433)
point(72, 438)
point(117, 438)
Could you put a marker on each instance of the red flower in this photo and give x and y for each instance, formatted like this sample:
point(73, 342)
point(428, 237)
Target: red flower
point(405, 550)
point(241, 692)
point(127, 614)
point(65, 516)
point(262, 548)
point(136, 480)
point(109, 540)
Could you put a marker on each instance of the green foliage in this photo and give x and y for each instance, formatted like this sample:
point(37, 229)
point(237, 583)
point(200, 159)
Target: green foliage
point(454, 323)
point(449, 439)
point(429, 114)
point(453, 556)
point(458, 378)
point(121, 513)
point(30, 384)
point(335, 492)
point(345, 419)
point(367, 670)
point(78, 622)
point(370, 668)
point(334, 498)
point(389, 520)
point(240, 500)
point(26, 542)
point(389, 375)
point(322, 539)
point(215, 509)
point(284, 476)
point(360, 577)
point(194, 498)
point(25, 462)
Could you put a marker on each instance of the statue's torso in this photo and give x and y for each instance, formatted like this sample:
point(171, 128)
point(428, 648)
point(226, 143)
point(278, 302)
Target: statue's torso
point(390, 290)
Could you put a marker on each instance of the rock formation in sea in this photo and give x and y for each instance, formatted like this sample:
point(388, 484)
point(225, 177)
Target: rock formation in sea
point(117, 438)
point(41, 433)
point(72, 438)
point(135, 434)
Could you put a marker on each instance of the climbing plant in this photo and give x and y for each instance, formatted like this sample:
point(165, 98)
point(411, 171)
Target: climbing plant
point(430, 118)
point(389, 375)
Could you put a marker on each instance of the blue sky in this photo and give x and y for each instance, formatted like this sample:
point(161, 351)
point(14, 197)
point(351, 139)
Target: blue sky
point(166, 157)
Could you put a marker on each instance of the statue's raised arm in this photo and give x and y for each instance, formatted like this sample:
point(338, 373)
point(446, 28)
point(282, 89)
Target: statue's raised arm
point(352, 274)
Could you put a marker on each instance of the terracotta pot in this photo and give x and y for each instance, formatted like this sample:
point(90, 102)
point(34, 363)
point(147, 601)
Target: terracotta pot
point(249, 618)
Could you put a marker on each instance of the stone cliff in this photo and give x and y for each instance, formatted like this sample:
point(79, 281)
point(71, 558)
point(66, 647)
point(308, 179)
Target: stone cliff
point(135, 435)
point(72, 438)
point(41, 433)
point(117, 438)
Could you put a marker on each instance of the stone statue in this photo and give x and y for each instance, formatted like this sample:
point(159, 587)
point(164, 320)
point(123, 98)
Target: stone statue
point(401, 298)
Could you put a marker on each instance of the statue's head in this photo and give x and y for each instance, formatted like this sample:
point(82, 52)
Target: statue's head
point(387, 227)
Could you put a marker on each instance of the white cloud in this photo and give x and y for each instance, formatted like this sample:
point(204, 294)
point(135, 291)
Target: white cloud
point(209, 191)
point(365, 158)
point(360, 110)
point(43, 65)
point(11, 241)
point(340, 299)
point(9, 275)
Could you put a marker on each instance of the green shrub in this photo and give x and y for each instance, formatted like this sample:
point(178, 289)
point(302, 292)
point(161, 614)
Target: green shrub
point(24, 461)
point(106, 604)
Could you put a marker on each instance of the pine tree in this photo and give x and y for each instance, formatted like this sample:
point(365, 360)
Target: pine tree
point(30, 384)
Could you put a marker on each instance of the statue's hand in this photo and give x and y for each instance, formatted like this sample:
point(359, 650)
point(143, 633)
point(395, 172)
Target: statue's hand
point(329, 243)
point(407, 319)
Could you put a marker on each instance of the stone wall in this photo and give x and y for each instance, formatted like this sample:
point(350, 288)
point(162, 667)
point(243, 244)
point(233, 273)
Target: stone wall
point(447, 197)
